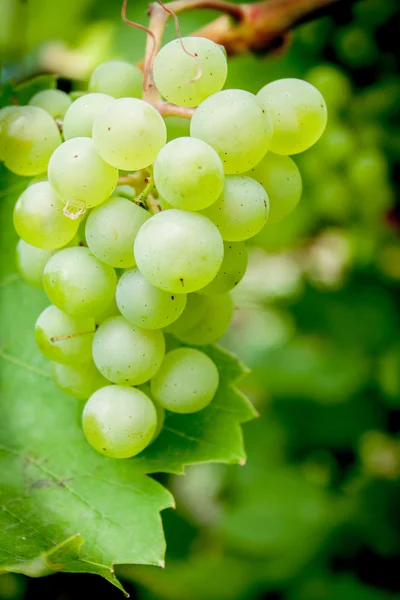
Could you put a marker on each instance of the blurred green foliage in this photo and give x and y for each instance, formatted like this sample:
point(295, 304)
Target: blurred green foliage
point(314, 515)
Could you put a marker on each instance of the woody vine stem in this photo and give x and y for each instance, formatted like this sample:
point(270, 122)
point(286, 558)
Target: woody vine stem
point(257, 27)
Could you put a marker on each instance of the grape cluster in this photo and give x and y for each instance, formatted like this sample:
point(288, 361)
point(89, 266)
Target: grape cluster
point(133, 237)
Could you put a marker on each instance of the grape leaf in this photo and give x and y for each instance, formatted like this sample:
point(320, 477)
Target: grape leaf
point(63, 506)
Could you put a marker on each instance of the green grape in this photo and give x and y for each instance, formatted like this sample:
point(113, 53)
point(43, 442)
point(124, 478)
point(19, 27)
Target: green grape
point(338, 144)
point(119, 421)
point(127, 354)
point(186, 382)
point(179, 251)
point(39, 219)
point(129, 133)
point(232, 270)
point(298, 113)
point(124, 191)
point(29, 137)
point(333, 84)
point(189, 174)
point(176, 127)
point(145, 388)
point(146, 306)
point(79, 284)
point(78, 381)
point(79, 118)
point(110, 311)
point(54, 102)
point(242, 209)
point(31, 262)
point(188, 70)
point(64, 339)
point(111, 230)
point(355, 46)
point(236, 125)
point(5, 114)
point(281, 179)
point(195, 308)
point(213, 323)
point(368, 169)
point(79, 175)
point(374, 13)
point(117, 78)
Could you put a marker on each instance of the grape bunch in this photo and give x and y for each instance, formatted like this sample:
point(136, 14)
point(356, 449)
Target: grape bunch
point(137, 240)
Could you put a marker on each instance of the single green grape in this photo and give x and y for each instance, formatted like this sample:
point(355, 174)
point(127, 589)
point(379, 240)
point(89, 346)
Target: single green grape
point(129, 133)
point(124, 191)
point(189, 174)
point(355, 46)
point(281, 179)
point(242, 209)
point(188, 70)
point(79, 175)
point(78, 283)
point(111, 230)
point(119, 421)
point(333, 84)
point(117, 78)
point(186, 382)
point(232, 270)
point(213, 323)
point(146, 306)
point(54, 102)
point(39, 218)
point(127, 354)
point(64, 339)
point(79, 381)
point(29, 136)
point(236, 125)
point(196, 306)
point(299, 114)
point(79, 118)
point(31, 262)
point(179, 251)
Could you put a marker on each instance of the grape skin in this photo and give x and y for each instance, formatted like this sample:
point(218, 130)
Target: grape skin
point(186, 382)
point(79, 118)
point(213, 323)
point(39, 219)
point(179, 251)
point(176, 73)
point(79, 284)
point(31, 262)
point(73, 349)
point(232, 270)
point(111, 230)
point(236, 125)
point(93, 179)
point(78, 381)
point(119, 421)
point(189, 174)
point(127, 354)
point(54, 102)
point(281, 179)
point(29, 137)
point(298, 112)
point(242, 209)
point(118, 79)
point(144, 305)
point(129, 133)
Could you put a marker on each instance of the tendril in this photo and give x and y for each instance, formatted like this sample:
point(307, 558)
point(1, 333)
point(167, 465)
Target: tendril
point(179, 34)
point(149, 59)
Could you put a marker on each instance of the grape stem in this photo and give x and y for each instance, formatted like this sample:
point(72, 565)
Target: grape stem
point(256, 27)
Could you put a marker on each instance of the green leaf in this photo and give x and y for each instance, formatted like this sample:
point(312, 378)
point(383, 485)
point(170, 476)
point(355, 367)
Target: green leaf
point(65, 507)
